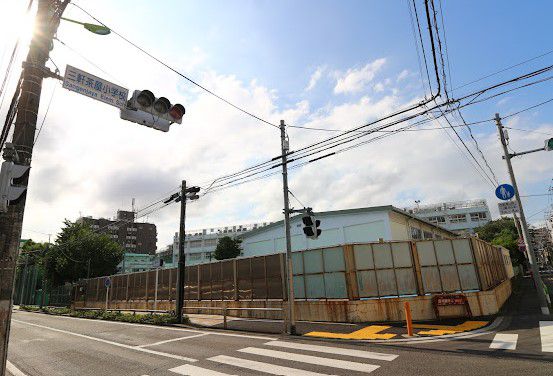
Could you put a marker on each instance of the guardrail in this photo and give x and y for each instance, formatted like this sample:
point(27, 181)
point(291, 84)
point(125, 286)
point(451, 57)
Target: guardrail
point(226, 309)
point(134, 311)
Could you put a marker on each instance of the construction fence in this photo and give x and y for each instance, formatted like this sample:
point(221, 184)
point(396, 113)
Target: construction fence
point(348, 272)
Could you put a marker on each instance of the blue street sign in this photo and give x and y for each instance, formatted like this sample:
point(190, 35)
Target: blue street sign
point(107, 281)
point(505, 192)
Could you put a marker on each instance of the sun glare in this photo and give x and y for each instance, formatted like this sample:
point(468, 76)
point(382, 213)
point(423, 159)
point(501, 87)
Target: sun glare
point(15, 22)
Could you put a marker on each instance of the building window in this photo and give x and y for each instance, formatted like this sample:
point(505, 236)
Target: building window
point(210, 242)
point(438, 220)
point(195, 243)
point(480, 216)
point(416, 233)
point(457, 218)
point(428, 235)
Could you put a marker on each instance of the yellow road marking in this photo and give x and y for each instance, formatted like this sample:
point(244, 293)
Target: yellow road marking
point(369, 332)
point(438, 330)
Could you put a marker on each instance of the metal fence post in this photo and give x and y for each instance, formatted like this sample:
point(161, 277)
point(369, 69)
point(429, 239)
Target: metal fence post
point(155, 289)
point(235, 276)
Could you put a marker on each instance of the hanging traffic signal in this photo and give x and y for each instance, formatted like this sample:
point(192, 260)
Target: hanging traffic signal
point(9, 191)
point(158, 113)
point(549, 144)
point(311, 226)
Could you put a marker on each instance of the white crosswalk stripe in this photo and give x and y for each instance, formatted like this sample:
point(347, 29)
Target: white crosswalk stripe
point(332, 350)
point(265, 365)
point(190, 370)
point(504, 341)
point(546, 335)
point(327, 362)
point(272, 369)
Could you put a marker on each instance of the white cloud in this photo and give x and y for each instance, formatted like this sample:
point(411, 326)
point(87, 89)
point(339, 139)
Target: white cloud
point(315, 77)
point(354, 80)
point(403, 75)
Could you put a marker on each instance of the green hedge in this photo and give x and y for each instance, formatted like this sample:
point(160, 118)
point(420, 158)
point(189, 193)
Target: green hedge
point(154, 319)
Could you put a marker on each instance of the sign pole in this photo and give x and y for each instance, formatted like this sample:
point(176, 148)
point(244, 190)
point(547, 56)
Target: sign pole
point(525, 233)
point(107, 295)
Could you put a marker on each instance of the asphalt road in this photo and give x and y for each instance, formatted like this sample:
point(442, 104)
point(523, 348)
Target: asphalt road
point(52, 345)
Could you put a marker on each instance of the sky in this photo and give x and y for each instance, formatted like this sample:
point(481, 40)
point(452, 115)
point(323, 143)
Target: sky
point(318, 64)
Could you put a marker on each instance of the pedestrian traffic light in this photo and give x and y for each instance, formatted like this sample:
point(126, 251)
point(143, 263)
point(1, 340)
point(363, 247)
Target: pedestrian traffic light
point(158, 113)
point(311, 226)
point(549, 144)
point(9, 191)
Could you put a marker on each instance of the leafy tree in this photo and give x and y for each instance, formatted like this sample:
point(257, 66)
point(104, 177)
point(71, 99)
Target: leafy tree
point(75, 248)
point(228, 248)
point(503, 232)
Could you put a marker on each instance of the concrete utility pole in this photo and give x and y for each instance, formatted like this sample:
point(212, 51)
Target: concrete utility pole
point(179, 304)
point(525, 233)
point(46, 24)
point(289, 271)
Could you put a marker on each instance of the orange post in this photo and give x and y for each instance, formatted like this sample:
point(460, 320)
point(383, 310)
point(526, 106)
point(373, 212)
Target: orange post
point(408, 318)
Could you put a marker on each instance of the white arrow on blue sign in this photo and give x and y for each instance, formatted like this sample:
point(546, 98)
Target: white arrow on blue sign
point(107, 281)
point(505, 192)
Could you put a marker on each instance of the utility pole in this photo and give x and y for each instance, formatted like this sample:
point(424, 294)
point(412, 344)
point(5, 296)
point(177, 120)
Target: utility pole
point(179, 304)
point(46, 24)
point(524, 226)
point(289, 271)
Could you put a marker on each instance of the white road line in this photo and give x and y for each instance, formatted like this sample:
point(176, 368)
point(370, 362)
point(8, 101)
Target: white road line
point(546, 334)
point(504, 341)
point(158, 327)
point(327, 362)
point(333, 350)
point(174, 339)
point(272, 369)
point(13, 369)
point(190, 370)
point(153, 352)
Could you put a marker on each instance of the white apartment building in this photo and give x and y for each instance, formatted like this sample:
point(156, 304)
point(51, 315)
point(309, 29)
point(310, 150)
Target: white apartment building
point(459, 216)
point(199, 245)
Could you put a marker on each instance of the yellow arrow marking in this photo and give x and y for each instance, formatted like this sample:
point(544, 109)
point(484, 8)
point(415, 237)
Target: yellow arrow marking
point(369, 332)
point(438, 330)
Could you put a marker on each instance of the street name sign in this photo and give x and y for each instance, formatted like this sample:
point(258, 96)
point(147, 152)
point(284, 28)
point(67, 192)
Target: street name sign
point(505, 192)
point(508, 207)
point(94, 87)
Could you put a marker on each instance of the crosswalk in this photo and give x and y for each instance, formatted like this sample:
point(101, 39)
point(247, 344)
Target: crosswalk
point(508, 341)
point(297, 353)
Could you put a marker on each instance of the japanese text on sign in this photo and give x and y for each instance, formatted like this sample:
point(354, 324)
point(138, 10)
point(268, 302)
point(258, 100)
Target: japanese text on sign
point(94, 87)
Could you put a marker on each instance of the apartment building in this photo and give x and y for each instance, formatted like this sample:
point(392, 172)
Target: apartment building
point(134, 237)
point(462, 217)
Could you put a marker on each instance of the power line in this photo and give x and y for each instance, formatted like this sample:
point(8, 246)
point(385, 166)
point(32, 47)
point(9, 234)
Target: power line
point(503, 70)
point(45, 116)
point(176, 71)
point(529, 130)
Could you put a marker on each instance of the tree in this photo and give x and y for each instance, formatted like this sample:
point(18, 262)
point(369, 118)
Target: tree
point(75, 248)
point(228, 248)
point(503, 232)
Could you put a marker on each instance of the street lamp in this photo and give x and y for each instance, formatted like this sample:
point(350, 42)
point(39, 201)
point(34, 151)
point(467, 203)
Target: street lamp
point(96, 29)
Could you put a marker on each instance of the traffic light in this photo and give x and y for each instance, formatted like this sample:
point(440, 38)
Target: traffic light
point(549, 144)
point(158, 113)
point(8, 190)
point(311, 226)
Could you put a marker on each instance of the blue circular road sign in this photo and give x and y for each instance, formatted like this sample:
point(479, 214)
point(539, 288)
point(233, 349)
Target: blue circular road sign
point(107, 281)
point(505, 192)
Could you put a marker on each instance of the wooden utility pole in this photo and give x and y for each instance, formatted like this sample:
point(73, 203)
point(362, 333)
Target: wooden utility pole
point(524, 226)
point(34, 71)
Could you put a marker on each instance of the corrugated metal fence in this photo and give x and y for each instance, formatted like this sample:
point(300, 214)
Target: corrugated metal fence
point(353, 271)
